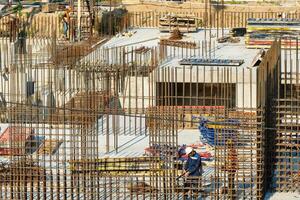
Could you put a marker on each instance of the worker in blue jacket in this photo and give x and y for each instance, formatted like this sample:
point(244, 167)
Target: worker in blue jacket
point(192, 172)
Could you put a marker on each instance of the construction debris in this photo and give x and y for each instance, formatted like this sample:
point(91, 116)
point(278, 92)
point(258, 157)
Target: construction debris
point(126, 34)
point(184, 24)
point(176, 43)
point(229, 39)
point(233, 36)
point(140, 188)
point(176, 35)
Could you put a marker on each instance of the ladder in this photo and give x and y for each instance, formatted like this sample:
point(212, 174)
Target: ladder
point(82, 29)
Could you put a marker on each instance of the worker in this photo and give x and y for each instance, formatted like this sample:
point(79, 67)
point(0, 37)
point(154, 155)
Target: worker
point(66, 21)
point(9, 3)
point(192, 172)
point(22, 35)
point(231, 166)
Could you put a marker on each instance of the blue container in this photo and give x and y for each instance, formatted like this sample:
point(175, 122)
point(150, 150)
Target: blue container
point(224, 130)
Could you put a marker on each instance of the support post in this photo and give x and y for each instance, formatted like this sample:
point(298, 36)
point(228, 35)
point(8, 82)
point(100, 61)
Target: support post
point(78, 20)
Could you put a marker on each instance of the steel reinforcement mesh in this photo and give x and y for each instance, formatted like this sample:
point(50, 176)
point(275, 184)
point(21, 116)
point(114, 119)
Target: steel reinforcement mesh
point(286, 177)
point(86, 122)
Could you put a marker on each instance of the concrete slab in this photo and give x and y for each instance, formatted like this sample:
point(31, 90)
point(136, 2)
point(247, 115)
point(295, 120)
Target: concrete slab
point(232, 51)
point(283, 195)
point(150, 37)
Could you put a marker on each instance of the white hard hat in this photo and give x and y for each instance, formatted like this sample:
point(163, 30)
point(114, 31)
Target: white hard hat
point(188, 150)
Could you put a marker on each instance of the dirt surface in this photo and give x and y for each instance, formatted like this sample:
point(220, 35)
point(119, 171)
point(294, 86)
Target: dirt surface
point(195, 6)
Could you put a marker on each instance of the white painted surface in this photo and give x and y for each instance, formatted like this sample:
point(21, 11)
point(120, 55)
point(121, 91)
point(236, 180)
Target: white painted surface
point(283, 196)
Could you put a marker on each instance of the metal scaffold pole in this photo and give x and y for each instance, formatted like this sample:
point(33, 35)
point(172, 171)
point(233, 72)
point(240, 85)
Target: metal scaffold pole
point(79, 20)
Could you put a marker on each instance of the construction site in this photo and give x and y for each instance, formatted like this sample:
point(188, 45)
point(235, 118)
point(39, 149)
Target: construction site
point(101, 101)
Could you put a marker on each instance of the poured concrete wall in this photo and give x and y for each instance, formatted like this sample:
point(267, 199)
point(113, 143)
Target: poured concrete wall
point(243, 78)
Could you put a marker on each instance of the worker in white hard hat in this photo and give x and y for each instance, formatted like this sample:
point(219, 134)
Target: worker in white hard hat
point(192, 172)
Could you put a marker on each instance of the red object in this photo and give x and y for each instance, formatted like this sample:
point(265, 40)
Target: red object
point(270, 42)
point(14, 140)
point(150, 151)
point(206, 155)
point(196, 146)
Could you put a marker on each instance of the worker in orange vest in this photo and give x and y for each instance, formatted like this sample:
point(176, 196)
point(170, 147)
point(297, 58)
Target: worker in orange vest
point(66, 21)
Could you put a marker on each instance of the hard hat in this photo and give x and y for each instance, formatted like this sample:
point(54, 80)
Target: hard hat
point(68, 8)
point(188, 150)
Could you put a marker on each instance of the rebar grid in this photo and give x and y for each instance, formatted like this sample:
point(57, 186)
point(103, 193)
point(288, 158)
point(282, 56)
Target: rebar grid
point(64, 137)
